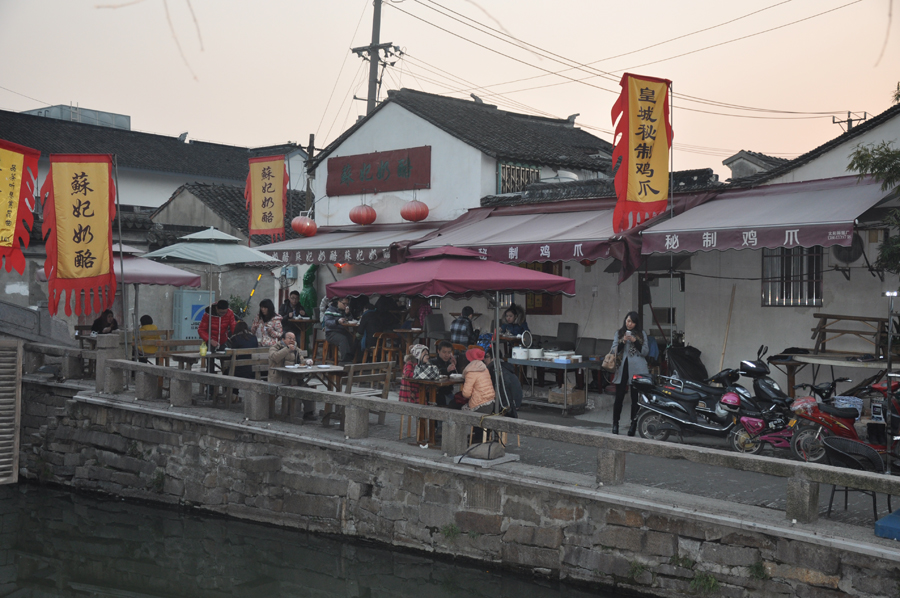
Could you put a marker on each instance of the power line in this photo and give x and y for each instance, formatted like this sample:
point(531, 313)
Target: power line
point(25, 96)
point(338, 78)
point(598, 72)
point(744, 37)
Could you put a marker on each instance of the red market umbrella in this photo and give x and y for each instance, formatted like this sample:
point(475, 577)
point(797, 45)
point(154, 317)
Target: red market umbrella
point(453, 271)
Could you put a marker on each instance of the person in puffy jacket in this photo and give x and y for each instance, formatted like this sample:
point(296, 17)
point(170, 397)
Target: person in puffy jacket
point(216, 329)
point(477, 387)
point(267, 324)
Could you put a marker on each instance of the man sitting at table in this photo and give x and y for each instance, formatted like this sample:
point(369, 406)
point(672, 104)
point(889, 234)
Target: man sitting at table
point(282, 354)
point(461, 330)
point(446, 362)
point(290, 310)
point(216, 333)
point(335, 333)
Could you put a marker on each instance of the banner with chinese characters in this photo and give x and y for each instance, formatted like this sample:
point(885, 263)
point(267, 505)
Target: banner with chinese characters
point(379, 172)
point(642, 138)
point(266, 195)
point(18, 182)
point(78, 214)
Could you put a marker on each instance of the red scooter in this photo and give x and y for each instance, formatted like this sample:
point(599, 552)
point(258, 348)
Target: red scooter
point(826, 420)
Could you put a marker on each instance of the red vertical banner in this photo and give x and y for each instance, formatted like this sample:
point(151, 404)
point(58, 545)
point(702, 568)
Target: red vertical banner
point(18, 182)
point(78, 215)
point(642, 140)
point(266, 195)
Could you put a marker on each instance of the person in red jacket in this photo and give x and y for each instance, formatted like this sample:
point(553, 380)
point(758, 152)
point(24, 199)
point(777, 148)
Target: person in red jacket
point(222, 325)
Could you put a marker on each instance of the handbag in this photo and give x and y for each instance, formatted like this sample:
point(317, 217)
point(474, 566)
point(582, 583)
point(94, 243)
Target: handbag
point(485, 450)
point(610, 362)
point(426, 371)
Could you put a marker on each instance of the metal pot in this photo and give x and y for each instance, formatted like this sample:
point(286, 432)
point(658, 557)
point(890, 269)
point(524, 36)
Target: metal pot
point(535, 353)
point(519, 353)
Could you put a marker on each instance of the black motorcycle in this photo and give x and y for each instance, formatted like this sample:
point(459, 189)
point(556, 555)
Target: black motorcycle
point(685, 407)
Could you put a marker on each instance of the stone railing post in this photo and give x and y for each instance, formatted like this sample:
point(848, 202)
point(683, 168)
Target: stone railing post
point(180, 392)
point(356, 422)
point(257, 405)
point(610, 467)
point(109, 346)
point(72, 366)
point(453, 439)
point(147, 387)
point(802, 500)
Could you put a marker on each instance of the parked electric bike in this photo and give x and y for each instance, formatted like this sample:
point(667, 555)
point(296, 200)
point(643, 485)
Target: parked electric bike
point(766, 417)
point(682, 407)
point(826, 420)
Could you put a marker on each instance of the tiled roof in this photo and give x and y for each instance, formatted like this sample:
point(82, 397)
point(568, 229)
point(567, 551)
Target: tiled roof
point(500, 134)
point(227, 201)
point(760, 159)
point(133, 149)
point(762, 177)
point(685, 181)
point(130, 221)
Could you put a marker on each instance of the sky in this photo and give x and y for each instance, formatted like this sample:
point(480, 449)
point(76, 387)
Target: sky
point(761, 75)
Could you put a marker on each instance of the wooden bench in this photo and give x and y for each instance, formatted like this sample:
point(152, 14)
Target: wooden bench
point(256, 358)
point(365, 380)
point(144, 339)
point(166, 348)
point(830, 327)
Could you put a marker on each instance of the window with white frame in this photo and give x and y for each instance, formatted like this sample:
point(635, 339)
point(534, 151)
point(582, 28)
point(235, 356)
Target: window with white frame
point(792, 277)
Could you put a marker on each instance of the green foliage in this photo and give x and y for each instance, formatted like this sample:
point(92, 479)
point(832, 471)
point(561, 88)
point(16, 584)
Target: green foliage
point(474, 535)
point(238, 306)
point(682, 561)
point(133, 450)
point(451, 531)
point(704, 583)
point(881, 161)
point(895, 95)
point(635, 569)
point(758, 571)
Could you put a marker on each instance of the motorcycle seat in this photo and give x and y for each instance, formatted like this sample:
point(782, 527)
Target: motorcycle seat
point(842, 412)
point(707, 389)
point(689, 396)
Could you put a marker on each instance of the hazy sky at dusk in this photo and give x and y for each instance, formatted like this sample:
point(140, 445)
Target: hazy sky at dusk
point(266, 70)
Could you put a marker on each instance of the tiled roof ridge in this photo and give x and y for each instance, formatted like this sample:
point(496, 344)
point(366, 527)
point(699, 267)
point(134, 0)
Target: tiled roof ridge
point(875, 121)
point(398, 93)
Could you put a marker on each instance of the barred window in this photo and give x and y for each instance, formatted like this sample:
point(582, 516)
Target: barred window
point(515, 177)
point(792, 277)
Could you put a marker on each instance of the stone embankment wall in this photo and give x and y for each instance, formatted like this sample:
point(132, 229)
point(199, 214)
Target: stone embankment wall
point(574, 532)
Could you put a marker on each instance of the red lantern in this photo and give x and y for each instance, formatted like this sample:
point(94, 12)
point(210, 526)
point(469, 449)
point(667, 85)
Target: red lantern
point(363, 214)
point(304, 225)
point(414, 211)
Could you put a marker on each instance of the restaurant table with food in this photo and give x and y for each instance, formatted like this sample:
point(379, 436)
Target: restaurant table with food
point(567, 361)
point(328, 375)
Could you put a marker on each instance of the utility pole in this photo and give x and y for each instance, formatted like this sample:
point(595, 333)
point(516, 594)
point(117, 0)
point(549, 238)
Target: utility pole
point(310, 171)
point(850, 120)
point(373, 50)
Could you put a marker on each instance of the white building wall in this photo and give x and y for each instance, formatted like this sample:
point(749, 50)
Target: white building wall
point(460, 174)
point(707, 299)
point(834, 162)
point(144, 188)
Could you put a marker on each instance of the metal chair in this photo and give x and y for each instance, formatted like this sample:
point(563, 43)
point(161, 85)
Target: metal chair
point(844, 452)
point(435, 329)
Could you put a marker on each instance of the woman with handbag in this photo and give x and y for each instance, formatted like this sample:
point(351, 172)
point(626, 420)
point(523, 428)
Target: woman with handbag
point(630, 347)
point(415, 366)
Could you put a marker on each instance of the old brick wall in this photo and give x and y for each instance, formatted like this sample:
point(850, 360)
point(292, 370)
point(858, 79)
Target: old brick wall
point(431, 506)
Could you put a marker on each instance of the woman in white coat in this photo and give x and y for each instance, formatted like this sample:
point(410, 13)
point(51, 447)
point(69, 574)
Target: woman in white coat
point(631, 348)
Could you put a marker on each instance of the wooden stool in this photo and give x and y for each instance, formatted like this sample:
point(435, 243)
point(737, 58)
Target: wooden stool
point(330, 352)
point(390, 348)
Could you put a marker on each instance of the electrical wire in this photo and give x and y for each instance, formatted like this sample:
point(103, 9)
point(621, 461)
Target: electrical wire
point(338, 78)
point(353, 86)
point(606, 75)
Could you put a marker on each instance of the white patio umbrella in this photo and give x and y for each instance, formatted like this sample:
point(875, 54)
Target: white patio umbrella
point(212, 247)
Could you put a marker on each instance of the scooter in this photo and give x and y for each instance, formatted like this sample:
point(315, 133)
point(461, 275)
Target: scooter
point(827, 420)
point(682, 407)
point(765, 418)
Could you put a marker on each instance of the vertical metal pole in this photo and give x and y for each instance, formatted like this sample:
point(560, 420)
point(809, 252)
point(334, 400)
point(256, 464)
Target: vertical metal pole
point(374, 57)
point(121, 260)
point(672, 326)
point(887, 404)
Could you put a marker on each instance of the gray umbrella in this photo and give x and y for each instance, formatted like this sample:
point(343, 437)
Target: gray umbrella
point(211, 247)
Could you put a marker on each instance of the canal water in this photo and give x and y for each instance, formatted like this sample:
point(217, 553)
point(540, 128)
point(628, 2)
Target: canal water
point(57, 543)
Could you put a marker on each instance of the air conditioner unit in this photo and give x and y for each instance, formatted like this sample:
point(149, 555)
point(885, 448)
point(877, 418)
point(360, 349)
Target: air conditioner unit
point(291, 272)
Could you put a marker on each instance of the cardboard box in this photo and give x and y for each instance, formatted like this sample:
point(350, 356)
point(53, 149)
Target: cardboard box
point(576, 397)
